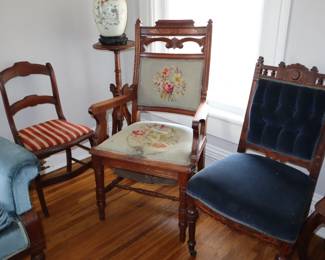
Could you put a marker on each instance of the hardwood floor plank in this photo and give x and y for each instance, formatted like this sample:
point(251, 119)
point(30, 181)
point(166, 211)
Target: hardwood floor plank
point(136, 227)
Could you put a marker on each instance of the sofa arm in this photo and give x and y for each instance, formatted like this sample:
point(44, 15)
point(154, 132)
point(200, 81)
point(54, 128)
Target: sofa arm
point(18, 167)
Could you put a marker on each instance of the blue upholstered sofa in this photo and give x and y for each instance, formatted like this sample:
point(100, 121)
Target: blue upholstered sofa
point(20, 228)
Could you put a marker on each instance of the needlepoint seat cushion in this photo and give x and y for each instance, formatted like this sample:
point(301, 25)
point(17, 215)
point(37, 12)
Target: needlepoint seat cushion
point(257, 192)
point(157, 141)
point(286, 118)
point(50, 134)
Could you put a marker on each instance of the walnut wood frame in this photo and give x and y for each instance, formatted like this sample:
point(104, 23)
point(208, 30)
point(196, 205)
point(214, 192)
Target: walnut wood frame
point(35, 233)
point(298, 74)
point(144, 36)
point(23, 69)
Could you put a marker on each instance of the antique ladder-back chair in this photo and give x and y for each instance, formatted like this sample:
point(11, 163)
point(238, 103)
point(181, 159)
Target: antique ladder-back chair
point(46, 138)
point(263, 195)
point(168, 82)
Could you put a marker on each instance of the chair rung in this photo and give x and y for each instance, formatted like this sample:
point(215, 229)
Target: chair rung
point(65, 176)
point(78, 161)
point(147, 192)
point(83, 147)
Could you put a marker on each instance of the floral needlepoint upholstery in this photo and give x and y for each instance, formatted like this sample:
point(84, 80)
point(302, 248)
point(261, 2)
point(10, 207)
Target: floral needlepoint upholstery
point(170, 83)
point(164, 142)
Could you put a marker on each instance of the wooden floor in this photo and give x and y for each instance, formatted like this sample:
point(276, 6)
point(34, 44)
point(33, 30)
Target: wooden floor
point(136, 227)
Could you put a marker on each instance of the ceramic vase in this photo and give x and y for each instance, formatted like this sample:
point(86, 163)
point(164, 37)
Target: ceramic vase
point(110, 17)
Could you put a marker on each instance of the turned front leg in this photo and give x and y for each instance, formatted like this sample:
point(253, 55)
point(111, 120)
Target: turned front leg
point(100, 188)
point(182, 219)
point(192, 216)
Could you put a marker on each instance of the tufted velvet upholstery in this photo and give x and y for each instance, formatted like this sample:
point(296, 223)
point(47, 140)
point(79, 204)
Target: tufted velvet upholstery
point(286, 118)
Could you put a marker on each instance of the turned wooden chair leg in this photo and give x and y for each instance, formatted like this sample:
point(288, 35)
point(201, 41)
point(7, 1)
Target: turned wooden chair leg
point(285, 253)
point(182, 219)
point(100, 188)
point(313, 221)
point(41, 197)
point(38, 256)
point(69, 159)
point(192, 216)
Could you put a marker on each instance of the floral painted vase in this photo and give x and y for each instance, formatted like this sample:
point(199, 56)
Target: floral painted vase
point(110, 17)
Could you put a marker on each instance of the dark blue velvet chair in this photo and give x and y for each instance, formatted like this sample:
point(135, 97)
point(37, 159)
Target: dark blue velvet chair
point(260, 193)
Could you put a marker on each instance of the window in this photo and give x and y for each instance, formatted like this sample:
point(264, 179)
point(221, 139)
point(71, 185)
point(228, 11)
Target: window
point(235, 45)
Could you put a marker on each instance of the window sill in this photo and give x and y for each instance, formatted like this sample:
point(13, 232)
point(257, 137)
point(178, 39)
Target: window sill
point(221, 123)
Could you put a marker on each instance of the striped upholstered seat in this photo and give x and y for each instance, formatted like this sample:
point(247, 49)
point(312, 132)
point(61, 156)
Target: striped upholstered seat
point(51, 133)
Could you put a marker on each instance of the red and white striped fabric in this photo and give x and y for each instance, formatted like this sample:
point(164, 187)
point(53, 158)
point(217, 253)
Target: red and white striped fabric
point(51, 133)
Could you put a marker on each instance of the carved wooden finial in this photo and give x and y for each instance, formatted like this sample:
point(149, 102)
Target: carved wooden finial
point(314, 69)
point(282, 64)
point(210, 22)
point(138, 22)
point(260, 60)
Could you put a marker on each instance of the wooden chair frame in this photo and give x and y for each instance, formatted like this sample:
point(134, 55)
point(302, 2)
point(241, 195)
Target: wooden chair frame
point(23, 69)
point(34, 229)
point(162, 32)
point(295, 73)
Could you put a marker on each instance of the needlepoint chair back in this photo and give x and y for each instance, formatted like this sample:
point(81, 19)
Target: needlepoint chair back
point(285, 115)
point(169, 81)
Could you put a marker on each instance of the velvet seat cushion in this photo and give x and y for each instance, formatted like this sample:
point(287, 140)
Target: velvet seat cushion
point(257, 192)
point(50, 134)
point(13, 240)
point(157, 141)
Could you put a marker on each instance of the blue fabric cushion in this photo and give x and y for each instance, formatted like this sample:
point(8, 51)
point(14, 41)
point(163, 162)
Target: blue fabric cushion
point(5, 219)
point(287, 118)
point(13, 240)
point(17, 168)
point(259, 193)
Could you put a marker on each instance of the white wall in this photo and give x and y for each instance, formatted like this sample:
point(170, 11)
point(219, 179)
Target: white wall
point(61, 32)
point(305, 44)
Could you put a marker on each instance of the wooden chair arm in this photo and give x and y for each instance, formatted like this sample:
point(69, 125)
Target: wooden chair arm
point(201, 113)
point(98, 111)
point(105, 105)
point(199, 132)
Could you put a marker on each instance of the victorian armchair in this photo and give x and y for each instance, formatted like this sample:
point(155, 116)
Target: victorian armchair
point(21, 230)
point(264, 194)
point(49, 137)
point(157, 152)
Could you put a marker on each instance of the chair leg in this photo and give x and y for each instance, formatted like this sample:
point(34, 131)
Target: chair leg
point(192, 216)
point(38, 256)
point(100, 188)
point(182, 219)
point(285, 253)
point(41, 197)
point(313, 221)
point(69, 159)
